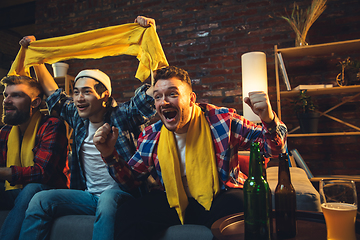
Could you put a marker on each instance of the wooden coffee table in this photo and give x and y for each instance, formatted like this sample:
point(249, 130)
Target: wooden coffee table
point(310, 225)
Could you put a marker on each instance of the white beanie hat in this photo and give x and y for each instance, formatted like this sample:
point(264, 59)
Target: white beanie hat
point(96, 75)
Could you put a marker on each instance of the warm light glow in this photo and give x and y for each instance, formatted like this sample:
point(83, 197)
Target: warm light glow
point(254, 78)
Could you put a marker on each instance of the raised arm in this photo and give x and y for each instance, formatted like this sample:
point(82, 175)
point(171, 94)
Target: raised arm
point(44, 77)
point(260, 104)
point(272, 134)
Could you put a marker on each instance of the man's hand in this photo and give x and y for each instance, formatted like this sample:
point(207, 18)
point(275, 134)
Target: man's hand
point(25, 41)
point(105, 140)
point(260, 104)
point(150, 91)
point(144, 21)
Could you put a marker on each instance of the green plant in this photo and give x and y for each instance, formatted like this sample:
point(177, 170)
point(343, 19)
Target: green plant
point(304, 103)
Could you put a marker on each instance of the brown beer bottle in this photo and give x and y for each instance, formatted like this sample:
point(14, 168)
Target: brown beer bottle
point(285, 201)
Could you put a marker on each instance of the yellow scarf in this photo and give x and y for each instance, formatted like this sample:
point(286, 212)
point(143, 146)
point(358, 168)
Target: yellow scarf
point(25, 158)
point(130, 39)
point(201, 170)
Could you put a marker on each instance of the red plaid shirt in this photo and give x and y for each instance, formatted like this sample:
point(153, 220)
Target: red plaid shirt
point(230, 132)
point(50, 155)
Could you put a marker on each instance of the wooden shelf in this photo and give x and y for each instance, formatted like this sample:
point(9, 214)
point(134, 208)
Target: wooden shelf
point(322, 91)
point(355, 178)
point(67, 82)
point(322, 134)
point(313, 50)
point(321, 49)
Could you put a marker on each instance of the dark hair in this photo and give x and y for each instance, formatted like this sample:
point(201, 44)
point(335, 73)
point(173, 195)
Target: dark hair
point(31, 82)
point(170, 72)
point(100, 89)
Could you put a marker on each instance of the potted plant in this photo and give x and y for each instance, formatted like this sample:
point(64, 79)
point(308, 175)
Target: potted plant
point(305, 112)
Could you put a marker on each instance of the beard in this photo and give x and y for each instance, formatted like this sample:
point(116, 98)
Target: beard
point(15, 118)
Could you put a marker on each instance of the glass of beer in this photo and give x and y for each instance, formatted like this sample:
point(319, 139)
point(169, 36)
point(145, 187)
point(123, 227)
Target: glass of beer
point(339, 206)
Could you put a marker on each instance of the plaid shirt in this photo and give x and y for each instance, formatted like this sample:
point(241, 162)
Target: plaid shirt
point(50, 155)
point(128, 117)
point(230, 132)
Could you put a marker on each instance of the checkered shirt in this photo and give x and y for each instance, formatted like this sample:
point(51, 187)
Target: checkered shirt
point(128, 117)
point(50, 155)
point(230, 133)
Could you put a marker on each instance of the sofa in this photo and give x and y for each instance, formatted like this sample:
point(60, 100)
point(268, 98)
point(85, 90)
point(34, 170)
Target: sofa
point(79, 227)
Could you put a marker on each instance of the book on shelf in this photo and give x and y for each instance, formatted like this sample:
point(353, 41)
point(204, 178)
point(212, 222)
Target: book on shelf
point(301, 163)
point(283, 71)
point(314, 86)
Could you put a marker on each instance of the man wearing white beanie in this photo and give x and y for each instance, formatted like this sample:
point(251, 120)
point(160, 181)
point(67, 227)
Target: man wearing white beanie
point(93, 188)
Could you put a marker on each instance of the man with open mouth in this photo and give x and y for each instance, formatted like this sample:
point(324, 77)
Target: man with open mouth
point(192, 155)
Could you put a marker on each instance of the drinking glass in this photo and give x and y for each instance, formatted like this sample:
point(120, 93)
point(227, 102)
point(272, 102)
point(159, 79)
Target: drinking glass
point(339, 206)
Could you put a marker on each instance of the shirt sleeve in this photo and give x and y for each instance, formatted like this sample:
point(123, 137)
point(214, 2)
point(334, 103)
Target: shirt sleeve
point(132, 173)
point(272, 136)
point(139, 108)
point(122, 172)
point(50, 155)
point(63, 105)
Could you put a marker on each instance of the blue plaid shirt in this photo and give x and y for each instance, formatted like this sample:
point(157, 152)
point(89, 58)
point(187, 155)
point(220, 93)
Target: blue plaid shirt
point(128, 117)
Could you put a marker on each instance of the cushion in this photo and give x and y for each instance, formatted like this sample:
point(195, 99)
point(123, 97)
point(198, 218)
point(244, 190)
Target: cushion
point(186, 232)
point(307, 198)
point(73, 227)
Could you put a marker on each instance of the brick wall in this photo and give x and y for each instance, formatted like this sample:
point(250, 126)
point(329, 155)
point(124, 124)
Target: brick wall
point(207, 38)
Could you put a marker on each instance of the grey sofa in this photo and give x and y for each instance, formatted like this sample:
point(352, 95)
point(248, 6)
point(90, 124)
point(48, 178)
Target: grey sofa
point(80, 227)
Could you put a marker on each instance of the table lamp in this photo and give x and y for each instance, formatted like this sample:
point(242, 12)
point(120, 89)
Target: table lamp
point(254, 78)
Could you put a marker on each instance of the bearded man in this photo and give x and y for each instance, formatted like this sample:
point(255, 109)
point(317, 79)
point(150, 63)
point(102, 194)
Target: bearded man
point(33, 150)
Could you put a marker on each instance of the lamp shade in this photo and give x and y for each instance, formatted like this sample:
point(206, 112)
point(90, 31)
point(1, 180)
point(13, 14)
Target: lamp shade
point(254, 78)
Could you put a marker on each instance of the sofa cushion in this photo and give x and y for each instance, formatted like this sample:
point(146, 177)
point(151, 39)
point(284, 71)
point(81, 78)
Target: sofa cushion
point(186, 232)
point(307, 198)
point(73, 227)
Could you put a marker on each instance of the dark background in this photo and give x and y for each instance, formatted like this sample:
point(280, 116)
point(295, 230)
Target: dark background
point(207, 38)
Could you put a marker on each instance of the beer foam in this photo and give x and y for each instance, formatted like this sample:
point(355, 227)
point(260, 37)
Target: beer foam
point(339, 206)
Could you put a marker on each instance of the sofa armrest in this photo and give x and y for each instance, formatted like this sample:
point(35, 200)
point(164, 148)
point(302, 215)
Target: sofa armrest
point(307, 198)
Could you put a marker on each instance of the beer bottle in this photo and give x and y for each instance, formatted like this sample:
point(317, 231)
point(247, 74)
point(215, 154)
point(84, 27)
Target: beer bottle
point(285, 201)
point(256, 199)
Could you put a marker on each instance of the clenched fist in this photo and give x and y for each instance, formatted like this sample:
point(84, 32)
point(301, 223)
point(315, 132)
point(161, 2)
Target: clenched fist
point(105, 138)
point(25, 41)
point(260, 104)
point(144, 21)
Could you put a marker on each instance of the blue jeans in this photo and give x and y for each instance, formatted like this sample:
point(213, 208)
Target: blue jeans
point(20, 198)
point(48, 205)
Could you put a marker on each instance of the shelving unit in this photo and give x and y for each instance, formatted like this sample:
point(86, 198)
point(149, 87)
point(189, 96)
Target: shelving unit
point(313, 50)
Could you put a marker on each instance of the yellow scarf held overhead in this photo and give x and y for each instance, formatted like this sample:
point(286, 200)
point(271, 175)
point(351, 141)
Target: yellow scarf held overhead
point(24, 156)
point(130, 39)
point(200, 164)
